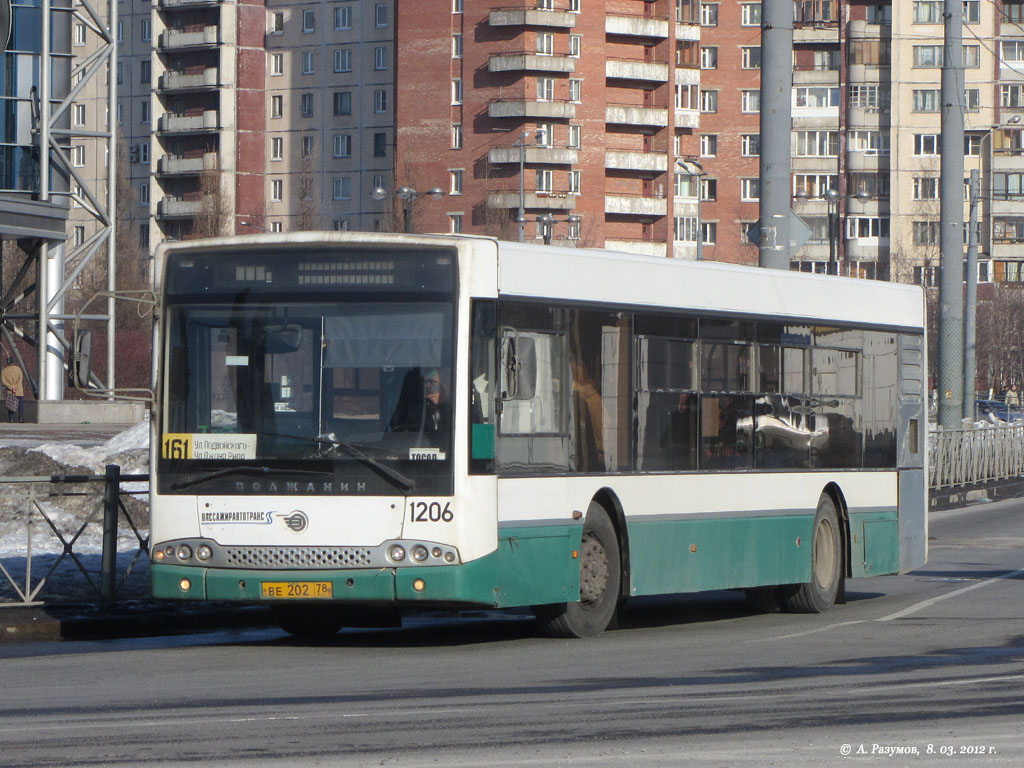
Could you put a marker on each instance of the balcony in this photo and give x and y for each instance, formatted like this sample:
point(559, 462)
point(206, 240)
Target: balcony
point(643, 162)
point(518, 16)
point(520, 108)
point(170, 207)
point(533, 155)
point(815, 32)
point(628, 114)
point(187, 81)
point(172, 165)
point(866, 161)
point(635, 205)
point(636, 69)
point(173, 39)
point(532, 200)
point(531, 62)
point(687, 118)
point(206, 122)
point(638, 247)
point(637, 26)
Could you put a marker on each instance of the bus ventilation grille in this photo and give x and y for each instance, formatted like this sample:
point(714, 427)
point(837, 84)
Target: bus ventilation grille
point(298, 557)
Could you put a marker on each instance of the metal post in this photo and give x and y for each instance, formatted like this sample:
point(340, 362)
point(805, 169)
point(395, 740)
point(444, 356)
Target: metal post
point(521, 218)
point(406, 205)
point(111, 491)
point(971, 304)
point(951, 222)
point(776, 130)
point(112, 171)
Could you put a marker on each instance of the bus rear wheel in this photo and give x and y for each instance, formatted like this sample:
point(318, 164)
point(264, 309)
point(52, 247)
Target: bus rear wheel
point(308, 622)
point(600, 577)
point(818, 594)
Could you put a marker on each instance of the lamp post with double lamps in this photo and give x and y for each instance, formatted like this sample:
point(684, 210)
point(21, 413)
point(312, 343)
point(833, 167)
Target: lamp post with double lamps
point(547, 224)
point(408, 196)
point(522, 143)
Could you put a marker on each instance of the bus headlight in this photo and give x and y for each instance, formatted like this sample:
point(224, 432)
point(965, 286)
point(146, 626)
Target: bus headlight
point(419, 553)
point(184, 552)
point(397, 553)
point(204, 552)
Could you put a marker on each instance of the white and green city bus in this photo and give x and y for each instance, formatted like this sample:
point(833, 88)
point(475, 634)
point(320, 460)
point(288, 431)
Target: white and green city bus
point(351, 424)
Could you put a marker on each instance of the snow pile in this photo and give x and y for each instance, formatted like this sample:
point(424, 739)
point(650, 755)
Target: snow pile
point(129, 449)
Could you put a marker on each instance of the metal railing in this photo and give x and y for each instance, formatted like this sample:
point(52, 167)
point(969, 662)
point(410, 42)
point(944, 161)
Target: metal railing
point(65, 507)
point(975, 455)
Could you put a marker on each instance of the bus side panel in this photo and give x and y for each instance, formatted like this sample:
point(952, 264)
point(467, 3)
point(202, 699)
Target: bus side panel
point(722, 553)
point(539, 565)
point(913, 523)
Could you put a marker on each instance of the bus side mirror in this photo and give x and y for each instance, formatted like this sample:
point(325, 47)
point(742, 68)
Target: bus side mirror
point(80, 355)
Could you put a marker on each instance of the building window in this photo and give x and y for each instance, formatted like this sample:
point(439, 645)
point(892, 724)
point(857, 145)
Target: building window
point(750, 145)
point(343, 60)
point(79, 235)
point(750, 14)
point(380, 101)
point(575, 91)
point(685, 185)
point(456, 46)
point(306, 105)
point(575, 136)
point(277, 23)
point(708, 189)
point(308, 145)
point(867, 97)
point(78, 155)
point(456, 90)
point(927, 100)
point(342, 103)
point(866, 227)
point(380, 58)
point(709, 14)
point(79, 34)
point(815, 97)
point(972, 11)
point(144, 70)
point(276, 64)
point(144, 193)
point(709, 57)
point(545, 181)
point(144, 105)
point(750, 57)
point(456, 135)
point(308, 21)
point(709, 101)
point(146, 30)
point(276, 190)
point(545, 88)
point(972, 56)
point(687, 96)
point(545, 133)
point(456, 6)
point(343, 17)
point(277, 148)
point(926, 144)
point(972, 144)
point(708, 145)
point(816, 143)
point(381, 15)
point(750, 189)
point(813, 185)
point(928, 11)
point(342, 188)
point(709, 232)
point(575, 182)
point(308, 59)
point(455, 179)
point(545, 43)
point(78, 112)
point(455, 223)
point(972, 99)
point(750, 101)
point(928, 56)
point(868, 142)
point(926, 188)
point(926, 233)
point(575, 45)
point(684, 229)
point(342, 145)
point(1011, 95)
point(380, 145)
point(276, 106)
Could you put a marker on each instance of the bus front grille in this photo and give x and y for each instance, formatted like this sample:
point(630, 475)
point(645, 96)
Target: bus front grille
point(298, 557)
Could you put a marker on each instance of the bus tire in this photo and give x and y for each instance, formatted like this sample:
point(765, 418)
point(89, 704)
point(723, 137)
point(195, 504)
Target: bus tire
point(308, 622)
point(600, 577)
point(818, 594)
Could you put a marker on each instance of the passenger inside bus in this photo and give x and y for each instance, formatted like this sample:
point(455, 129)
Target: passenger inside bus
point(423, 405)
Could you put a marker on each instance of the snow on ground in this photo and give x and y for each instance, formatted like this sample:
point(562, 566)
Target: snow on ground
point(27, 524)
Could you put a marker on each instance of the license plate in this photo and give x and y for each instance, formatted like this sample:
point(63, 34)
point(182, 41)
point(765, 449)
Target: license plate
point(297, 590)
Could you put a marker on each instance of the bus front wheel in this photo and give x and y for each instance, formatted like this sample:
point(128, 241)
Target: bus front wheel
point(818, 594)
point(600, 576)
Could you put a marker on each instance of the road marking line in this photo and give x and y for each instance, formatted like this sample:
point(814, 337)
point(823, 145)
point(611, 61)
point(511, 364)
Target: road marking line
point(932, 601)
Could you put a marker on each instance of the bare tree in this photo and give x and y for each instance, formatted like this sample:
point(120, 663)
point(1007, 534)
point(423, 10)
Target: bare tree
point(308, 216)
point(214, 213)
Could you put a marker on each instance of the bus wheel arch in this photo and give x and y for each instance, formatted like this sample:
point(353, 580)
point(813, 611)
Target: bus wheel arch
point(611, 504)
point(600, 581)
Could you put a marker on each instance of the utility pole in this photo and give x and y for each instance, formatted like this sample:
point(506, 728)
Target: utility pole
point(951, 222)
point(776, 126)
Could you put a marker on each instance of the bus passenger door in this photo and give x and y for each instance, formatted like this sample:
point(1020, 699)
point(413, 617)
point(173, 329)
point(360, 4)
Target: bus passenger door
point(910, 459)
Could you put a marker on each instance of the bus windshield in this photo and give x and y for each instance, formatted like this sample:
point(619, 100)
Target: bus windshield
point(359, 391)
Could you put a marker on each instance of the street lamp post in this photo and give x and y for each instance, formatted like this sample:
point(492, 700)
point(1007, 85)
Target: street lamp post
point(408, 196)
point(832, 198)
point(547, 224)
point(521, 215)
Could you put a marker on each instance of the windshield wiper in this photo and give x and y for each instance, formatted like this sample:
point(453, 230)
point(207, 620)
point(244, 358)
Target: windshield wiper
point(218, 473)
point(405, 484)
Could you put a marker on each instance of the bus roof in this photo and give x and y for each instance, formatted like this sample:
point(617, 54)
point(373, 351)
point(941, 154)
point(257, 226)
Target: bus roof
point(589, 275)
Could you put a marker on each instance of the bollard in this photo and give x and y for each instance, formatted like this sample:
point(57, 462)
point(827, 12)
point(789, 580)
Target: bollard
point(111, 492)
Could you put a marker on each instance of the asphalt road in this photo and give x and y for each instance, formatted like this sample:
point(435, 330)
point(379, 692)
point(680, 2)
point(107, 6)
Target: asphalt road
point(932, 661)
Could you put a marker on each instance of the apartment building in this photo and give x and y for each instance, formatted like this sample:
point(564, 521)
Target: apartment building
point(624, 124)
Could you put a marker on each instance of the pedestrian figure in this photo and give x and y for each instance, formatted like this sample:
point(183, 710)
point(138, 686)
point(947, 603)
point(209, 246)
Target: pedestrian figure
point(14, 386)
